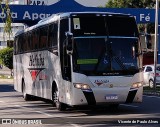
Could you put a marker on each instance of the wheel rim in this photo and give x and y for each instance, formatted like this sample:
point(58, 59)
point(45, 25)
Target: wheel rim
point(55, 98)
point(60, 106)
point(151, 83)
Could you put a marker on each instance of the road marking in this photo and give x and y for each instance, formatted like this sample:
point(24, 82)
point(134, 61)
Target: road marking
point(74, 125)
point(37, 111)
point(17, 105)
point(151, 96)
point(130, 105)
point(44, 113)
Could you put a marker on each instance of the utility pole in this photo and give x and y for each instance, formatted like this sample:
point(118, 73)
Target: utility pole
point(156, 41)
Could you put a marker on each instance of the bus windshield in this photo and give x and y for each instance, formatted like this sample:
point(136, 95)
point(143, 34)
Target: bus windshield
point(105, 44)
point(97, 56)
point(103, 25)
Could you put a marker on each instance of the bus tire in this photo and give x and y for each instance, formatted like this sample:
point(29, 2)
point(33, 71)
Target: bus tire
point(26, 97)
point(59, 105)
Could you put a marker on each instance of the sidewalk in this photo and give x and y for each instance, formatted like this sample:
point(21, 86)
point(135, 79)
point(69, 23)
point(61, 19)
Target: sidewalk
point(6, 81)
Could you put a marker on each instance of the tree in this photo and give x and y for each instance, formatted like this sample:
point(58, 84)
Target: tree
point(6, 57)
point(134, 4)
point(131, 3)
point(5, 9)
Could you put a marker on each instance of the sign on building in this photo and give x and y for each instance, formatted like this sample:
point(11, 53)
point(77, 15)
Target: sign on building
point(37, 2)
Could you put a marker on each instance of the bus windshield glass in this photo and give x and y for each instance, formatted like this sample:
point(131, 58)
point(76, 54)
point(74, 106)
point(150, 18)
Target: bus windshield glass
point(96, 56)
point(103, 25)
point(105, 44)
point(89, 26)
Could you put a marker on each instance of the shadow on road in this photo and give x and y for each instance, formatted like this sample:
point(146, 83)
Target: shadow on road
point(6, 88)
point(105, 110)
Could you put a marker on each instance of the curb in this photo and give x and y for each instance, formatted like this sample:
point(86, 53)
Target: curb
point(151, 93)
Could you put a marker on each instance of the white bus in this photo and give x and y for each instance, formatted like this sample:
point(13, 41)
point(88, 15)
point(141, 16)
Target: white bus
point(80, 58)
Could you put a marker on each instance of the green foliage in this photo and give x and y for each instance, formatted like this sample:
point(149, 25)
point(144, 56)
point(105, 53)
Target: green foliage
point(117, 4)
point(6, 77)
point(8, 20)
point(6, 57)
point(130, 3)
point(134, 4)
point(141, 28)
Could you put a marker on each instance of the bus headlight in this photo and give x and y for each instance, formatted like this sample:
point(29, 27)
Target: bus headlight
point(136, 85)
point(82, 86)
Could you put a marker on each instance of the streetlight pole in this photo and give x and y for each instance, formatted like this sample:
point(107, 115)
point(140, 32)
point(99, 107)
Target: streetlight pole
point(156, 41)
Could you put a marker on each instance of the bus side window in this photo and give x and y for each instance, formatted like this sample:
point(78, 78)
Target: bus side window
point(20, 46)
point(29, 41)
point(52, 35)
point(15, 45)
point(35, 39)
point(43, 37)
point(25, 43)
point(65, 58)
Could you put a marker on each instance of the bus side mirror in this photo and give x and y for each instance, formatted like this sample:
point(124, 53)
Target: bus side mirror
point(69, 43)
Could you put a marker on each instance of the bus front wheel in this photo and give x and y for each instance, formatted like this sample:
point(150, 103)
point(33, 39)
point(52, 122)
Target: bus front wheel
point(59, 105)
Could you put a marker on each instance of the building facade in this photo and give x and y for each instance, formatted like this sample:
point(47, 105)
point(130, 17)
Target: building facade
point(4, 37)
point(87, 3)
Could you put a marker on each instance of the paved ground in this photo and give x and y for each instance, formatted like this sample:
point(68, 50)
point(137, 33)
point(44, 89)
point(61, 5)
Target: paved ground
point(13, 107)
point(10, 81)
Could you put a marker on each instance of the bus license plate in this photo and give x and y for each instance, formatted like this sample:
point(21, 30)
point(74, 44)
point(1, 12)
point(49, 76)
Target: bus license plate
point(111, 97)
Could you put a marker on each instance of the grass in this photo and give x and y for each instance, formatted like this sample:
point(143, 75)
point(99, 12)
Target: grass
point(6, 77)
point(151, 91)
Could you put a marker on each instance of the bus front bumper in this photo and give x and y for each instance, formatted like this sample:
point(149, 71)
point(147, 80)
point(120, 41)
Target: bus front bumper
point(102, 96)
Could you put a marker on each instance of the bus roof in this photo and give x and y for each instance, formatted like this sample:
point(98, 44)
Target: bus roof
point(57, 16)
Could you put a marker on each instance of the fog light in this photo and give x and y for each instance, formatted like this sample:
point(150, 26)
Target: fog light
point(136, 85)
point(78, 86)
point(82, 86)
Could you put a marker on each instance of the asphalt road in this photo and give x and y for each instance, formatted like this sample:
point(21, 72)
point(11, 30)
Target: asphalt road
point(13, 109)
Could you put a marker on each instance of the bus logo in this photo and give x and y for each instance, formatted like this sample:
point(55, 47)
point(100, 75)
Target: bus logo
point(36, 60)
point(100, 82)
point(111, 86)
point(34, 73)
